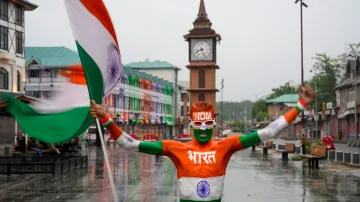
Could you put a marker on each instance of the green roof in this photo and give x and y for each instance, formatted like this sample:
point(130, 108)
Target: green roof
point(142, 75)
point(161, 81)
point(286, 98)
point(149, 77)
point(52, 56)
point(152, 65)
point(134, 73)
point(127, 70)
point(171, 85)
point(154, 79)
point(166, 83)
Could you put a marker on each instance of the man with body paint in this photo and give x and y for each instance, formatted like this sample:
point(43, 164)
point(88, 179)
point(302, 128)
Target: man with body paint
point(201, 163)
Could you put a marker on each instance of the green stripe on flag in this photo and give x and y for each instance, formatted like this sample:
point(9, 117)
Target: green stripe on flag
point(94, 82)
point(50, 128)
point(218, 200)
point(93, 75)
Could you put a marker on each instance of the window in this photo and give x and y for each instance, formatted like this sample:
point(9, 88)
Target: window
point(19, 16)
point(201, 97)
point(18, 80)
point(4, 79)
point(201, 79)
point(4, 38)
point(34, 73)
point(19, 42)
point(4, 9)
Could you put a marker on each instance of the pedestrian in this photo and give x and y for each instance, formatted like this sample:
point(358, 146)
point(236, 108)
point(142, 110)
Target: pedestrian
point(340, 136)
point(201, 163)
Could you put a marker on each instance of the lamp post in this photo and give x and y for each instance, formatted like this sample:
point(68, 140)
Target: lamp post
point(222, 104)
point(316, 105)
point(302, 49)
point(256, 99)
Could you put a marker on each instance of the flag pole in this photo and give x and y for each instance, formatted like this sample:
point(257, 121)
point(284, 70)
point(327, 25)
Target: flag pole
point(107, 161)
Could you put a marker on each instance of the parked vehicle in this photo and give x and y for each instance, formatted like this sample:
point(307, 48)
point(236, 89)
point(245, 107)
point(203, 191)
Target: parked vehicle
point(227, 133)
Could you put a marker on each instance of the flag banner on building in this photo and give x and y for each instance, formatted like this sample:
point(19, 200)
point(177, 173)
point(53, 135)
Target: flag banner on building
point(66, 115)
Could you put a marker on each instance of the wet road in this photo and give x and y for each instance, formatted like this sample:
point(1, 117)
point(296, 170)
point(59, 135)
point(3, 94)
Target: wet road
point(138, 177)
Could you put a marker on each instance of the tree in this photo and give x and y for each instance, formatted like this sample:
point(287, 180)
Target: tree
point(259, 110)
point(235, 110)
point(287, 88)
point(329, 72)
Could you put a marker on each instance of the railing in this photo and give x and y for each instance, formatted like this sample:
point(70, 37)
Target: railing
point(41, 165)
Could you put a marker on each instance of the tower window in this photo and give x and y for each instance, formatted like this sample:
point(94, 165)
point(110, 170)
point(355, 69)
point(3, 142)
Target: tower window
point(201, 97)
point(201, 79)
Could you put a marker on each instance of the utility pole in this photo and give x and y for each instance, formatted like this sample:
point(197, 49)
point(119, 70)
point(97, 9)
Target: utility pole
point(245, 120)
point(252, 118)
point(222, 105)
point(302, 53)
point(316, 114)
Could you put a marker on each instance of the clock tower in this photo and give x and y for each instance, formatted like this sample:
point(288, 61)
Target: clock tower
point(202, 41)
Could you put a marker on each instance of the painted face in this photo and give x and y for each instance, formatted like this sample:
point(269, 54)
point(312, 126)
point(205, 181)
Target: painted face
point(203, 124)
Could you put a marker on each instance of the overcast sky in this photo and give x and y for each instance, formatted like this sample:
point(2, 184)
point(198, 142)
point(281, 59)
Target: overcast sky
point(260, 49)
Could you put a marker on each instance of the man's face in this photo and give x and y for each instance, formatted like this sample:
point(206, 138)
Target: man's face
point(203, 124)
point(203, 136)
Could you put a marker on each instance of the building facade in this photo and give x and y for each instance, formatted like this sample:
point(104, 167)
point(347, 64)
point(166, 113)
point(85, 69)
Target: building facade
point(12, 40)
point(12, 62)
point(141, 104)
point(169, 72)
point(344, 116)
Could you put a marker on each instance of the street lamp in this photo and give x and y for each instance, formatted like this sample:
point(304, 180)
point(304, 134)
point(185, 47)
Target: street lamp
point(302, 48)
point(316, 105)
point(222, 103)
point(256, 99)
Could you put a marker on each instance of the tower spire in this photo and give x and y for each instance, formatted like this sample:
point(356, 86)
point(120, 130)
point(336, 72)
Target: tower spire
point(202, 10)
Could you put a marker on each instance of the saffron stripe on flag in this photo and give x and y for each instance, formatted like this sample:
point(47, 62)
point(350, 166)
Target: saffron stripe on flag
point(98, 9)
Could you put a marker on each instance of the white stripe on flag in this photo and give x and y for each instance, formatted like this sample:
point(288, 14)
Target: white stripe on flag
point(90, 33)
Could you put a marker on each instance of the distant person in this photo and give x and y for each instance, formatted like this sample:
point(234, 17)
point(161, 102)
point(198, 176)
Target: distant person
point(33, 147)
point(340, 135)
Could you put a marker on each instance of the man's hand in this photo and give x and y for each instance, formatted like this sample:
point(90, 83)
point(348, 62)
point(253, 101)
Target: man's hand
point(307, 94)
point(97, 111)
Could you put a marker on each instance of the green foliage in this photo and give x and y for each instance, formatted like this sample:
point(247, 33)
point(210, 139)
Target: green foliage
point(237, 126)
point(259, 111)
point(235, 110)
point(260, 116)
point(287, 88)
point(329, 71)
point(296, 158)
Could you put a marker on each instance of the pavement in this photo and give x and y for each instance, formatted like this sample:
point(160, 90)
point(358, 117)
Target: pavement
point(139, 177)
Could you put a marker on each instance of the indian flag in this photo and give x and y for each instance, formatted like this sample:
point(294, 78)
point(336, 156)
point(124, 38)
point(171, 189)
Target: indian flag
point(66, 115)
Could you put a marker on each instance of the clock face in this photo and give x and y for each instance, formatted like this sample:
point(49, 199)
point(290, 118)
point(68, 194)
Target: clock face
point(201, 49)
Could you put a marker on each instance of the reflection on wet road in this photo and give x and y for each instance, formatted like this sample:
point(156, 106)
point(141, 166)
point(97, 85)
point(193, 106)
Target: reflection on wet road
point(138, 177)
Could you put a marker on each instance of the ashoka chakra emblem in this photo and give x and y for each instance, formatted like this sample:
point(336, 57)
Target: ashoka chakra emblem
point(203, 189)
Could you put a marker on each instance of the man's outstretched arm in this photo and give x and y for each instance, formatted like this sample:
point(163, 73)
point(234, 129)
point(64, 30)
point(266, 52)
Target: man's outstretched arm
point(129, 143)
point(306, 94)
point(274, 127)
